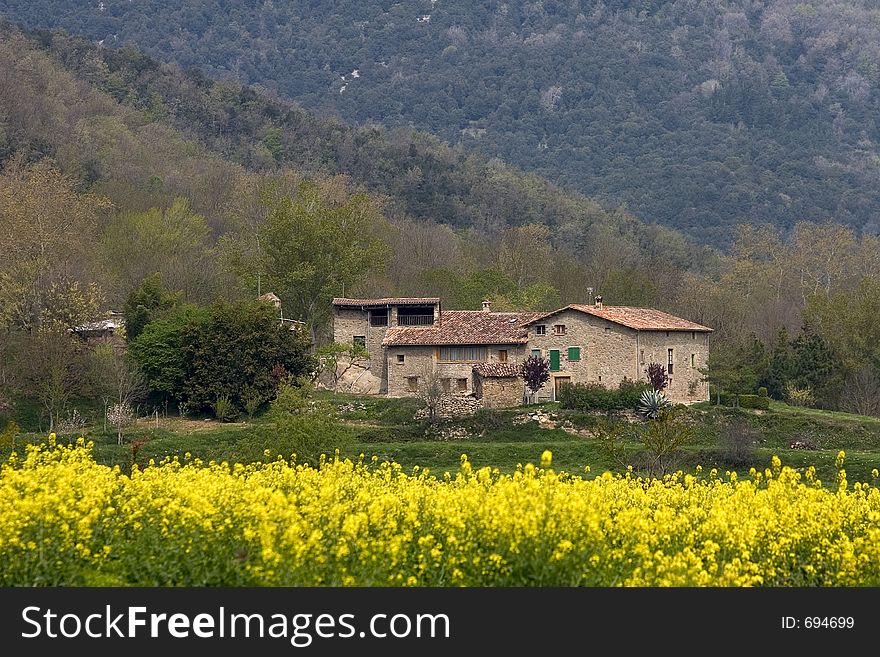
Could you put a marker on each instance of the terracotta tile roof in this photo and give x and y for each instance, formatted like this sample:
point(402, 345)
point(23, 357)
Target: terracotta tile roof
point(640, 319)
point(496, 370)
point(387, 301)
point(464, 327)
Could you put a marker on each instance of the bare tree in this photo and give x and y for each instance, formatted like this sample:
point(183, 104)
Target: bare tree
point(116, 379)
point(430, 390)
point(862, 394)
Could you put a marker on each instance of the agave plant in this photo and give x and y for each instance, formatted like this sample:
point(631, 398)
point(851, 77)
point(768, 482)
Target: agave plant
point(652, 402)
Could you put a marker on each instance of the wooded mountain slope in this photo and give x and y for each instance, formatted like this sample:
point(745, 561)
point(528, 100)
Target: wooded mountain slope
point(698, 115)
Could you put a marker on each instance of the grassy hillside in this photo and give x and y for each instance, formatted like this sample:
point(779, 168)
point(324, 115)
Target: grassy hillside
point(697, 115)
point(385, 428)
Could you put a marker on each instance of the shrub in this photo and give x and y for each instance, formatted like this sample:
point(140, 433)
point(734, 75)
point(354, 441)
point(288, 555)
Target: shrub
point(224, 409)
point(657, 376)
point(737, 441)
point(596, 397)
point(297, 425)
point(252, 403)
point(762, 391)
point(799, 396)
point(754, 401)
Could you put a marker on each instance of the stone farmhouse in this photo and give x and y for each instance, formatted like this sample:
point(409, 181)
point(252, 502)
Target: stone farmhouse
point(478, 352)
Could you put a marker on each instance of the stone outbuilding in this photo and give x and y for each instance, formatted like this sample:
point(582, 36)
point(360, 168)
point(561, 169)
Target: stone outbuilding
point(498, 385)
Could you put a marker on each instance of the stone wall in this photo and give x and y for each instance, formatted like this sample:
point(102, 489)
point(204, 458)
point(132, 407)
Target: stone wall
point(419, 361)
point(499, 392)
point(349, 322)
point(610, 352)
point(453, 406)
point(687, 384)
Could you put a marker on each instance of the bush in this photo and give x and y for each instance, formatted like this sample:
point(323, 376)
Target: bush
point(596, 397)
point(737, 442)
point(224, 409)
point(799, 396)
point(754, 401)
point(762, 391)
point(297, 425)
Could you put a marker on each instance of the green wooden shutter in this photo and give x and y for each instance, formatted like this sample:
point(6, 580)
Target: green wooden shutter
point(554, 360)
point(574, 353)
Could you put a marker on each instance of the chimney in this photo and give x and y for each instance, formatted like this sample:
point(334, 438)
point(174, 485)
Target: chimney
point(487, 306)
point(599, 301)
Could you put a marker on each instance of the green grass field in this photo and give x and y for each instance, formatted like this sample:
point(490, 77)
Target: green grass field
point(385, 428)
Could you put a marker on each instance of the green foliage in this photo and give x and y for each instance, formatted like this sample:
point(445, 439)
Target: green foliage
point(652, 403)
point(159, 352)
point(232, 350)
point(252, 404)
point(596, 397)
point(145, 303)
point(754, 401)
point(297, 426)
point(669, 431)
point(172, 241)
point(316, 248)
point(224, 409)
point(566, 93)
point(762, 392)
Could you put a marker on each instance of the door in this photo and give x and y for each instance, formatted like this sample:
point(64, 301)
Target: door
point(554, 360)
point(558, 382)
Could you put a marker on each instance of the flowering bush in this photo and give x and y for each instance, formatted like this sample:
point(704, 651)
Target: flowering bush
point(69, 521)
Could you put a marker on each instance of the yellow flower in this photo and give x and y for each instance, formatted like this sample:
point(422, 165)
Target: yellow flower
point(546, 459)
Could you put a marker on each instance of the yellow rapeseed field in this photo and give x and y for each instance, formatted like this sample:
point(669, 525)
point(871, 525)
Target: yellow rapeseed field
point(69, 521)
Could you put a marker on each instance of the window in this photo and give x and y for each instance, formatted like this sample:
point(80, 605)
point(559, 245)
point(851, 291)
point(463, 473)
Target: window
point(412, 383)
point(446, 384)
point(559, 329)
point(693, 335)
point(378, 318)
point(669, 361)
point(401, 359)
point(361, 340)
point(667, 334)
point(502, 355)
point(463, 354)
point(415, 315)
point(536, 353)
point(693, 360)
point(541, 329)
point(642, 356)
point(574, 354)
point(554, 360)
point(600, 378)
point(462, 385)
point(607, 329)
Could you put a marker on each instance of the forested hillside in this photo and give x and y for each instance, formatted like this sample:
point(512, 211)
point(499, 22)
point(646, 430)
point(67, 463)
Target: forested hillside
point(130, 185)
point(697, 115)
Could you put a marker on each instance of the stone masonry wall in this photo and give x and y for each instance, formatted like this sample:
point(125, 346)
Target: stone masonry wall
point(687, 384)
point(349, 322)
point(499, 392)
point(610, 352)
point(453, 406)
point(419, 360)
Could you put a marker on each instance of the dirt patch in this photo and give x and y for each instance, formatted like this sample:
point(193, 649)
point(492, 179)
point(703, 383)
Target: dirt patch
point(185, 425)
